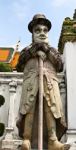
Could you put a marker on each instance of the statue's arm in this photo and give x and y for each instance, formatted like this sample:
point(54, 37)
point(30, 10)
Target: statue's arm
point(23, 58)
point(55, 57)
point(26, 54)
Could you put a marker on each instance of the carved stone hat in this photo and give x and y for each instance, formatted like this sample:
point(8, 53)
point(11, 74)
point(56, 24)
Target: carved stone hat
point(39, 19)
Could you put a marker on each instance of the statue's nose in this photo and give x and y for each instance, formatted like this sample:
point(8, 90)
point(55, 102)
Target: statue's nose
point(42, 34)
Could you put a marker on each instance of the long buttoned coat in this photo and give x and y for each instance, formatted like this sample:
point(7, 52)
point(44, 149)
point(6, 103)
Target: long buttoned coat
point(51, 65)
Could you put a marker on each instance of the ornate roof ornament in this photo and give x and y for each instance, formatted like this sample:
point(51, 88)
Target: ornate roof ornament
point(68, 32)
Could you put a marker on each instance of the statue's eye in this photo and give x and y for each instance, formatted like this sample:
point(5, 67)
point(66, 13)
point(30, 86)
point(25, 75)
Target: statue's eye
point(37, 30)
point(45, 30)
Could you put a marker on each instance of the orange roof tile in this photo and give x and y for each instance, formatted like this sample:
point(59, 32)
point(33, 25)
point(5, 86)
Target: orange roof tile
point(9, 55)
point(6, 54)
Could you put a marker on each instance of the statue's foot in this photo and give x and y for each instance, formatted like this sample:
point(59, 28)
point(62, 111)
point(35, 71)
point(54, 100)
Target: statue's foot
point(67, 146)
point(56, 145)
point(26, 145)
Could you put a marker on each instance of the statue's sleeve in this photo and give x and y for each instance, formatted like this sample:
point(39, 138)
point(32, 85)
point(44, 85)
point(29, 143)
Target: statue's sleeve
point(23, 58)
point(55, 57)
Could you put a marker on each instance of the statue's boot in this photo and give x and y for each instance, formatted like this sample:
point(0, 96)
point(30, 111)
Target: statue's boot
point(56, 145)
point(53, 143)
point(26, 145)
point(67, 146)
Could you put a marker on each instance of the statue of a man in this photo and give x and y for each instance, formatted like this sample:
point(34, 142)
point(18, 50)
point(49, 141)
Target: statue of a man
point(52, 63)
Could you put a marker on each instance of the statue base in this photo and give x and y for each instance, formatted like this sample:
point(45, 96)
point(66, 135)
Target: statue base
point(11, 144)
point(71, 138)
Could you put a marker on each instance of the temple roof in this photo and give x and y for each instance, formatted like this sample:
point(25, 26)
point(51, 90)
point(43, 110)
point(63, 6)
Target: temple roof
point(6, 54)
point(9, 55)
point(68, 32)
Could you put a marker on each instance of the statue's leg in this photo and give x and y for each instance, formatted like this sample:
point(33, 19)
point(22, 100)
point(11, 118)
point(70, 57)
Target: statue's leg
point(53, 143)
point(50, 90)
point(26, 145)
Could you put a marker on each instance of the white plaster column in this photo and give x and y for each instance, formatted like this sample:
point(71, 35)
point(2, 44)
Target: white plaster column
point(70, 70)
point(12, 90)
point(8, 142)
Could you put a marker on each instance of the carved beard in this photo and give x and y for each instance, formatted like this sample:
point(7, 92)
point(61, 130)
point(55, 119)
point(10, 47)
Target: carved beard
point(41, 46)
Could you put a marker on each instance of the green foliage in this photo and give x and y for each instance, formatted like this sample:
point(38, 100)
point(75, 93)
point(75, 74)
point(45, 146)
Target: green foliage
point(4, 67)
point(74, 30)
point(2, 128)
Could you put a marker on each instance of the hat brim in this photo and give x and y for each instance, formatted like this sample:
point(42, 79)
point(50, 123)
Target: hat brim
point(43, 21)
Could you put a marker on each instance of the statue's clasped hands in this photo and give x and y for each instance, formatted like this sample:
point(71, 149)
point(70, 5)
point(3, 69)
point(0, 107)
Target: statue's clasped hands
point(41, 54)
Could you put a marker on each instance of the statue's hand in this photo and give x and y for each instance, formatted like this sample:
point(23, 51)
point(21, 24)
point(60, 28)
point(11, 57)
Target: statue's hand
point(42, 55)
point(38, 47)
point(43, 47)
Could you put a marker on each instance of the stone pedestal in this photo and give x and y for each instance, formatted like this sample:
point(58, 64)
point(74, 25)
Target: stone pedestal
point(70, 70)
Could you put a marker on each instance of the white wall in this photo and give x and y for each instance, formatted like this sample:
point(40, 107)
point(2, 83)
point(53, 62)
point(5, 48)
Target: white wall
point(70, 66)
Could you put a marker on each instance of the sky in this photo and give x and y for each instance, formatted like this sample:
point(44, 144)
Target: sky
point(16, 14)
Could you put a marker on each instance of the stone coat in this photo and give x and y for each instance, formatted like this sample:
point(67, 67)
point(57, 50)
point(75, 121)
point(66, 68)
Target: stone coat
point(51, 65)
point(30, 86)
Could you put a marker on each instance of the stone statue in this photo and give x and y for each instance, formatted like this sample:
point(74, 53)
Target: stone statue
point(52, 63)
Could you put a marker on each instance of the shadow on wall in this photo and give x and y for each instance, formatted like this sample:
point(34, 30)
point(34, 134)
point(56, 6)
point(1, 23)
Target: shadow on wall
point(2, 126)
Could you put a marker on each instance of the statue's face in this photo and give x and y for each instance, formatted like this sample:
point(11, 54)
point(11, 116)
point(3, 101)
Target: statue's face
point(40, 34)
